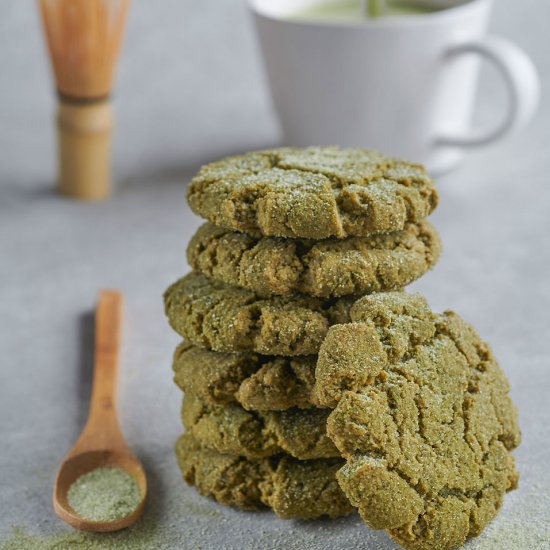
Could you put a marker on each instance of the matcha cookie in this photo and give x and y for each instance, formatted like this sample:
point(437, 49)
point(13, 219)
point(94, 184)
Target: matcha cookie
point(331, 267)
point(257, 382)
point(312, 193)
point(230, 429)
point(292, 488)
point(221, 317)
point(422, 417)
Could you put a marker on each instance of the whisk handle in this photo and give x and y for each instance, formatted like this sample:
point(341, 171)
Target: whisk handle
point(84, 132)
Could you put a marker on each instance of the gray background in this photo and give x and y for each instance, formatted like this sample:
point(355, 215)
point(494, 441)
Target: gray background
point(190, 89)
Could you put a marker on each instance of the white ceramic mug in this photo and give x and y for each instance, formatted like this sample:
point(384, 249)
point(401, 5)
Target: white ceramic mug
point(405, 85)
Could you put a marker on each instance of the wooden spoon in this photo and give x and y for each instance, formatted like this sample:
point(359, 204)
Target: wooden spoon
point(101, 443)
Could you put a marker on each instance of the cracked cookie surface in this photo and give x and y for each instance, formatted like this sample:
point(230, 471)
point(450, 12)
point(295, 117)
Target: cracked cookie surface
point(314, 193)
point(423, 418)
point(215, 315)
point(292, 488)
point(257, 382)
point(230, 429)
point(327, 268)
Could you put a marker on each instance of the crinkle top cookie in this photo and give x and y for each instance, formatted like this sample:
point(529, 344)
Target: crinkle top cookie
point(292, 488)
point(327, 268)
point(315, 193)
point(230, 429)
point(422, 416)
point(257, 382)
point(215, 315)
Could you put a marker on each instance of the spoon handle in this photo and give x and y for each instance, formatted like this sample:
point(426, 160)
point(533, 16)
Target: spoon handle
point(102, 425)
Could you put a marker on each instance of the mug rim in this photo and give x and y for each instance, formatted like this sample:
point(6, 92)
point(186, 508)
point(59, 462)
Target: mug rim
point(403, 20)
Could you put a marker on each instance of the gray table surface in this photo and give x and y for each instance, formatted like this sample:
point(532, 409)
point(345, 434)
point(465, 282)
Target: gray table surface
point(173, 114)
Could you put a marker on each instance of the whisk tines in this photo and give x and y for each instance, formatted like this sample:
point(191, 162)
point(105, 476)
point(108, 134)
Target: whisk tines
point(84, 38)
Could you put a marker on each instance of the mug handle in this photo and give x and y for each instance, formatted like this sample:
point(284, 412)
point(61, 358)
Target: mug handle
point(521, 80)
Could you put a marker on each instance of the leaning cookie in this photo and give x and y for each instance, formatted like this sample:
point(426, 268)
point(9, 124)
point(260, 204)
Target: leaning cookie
point(312, 193)
point(257, 382)
point(423, 418)
point(221, 317)
point(327, 268)
point(229, 429)
point(292, 488)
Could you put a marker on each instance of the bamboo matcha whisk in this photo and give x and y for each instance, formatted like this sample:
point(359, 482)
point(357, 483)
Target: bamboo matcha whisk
point(84, 39)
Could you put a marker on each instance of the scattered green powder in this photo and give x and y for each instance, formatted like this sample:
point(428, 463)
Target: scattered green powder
point(135, 538)
point(104, 494)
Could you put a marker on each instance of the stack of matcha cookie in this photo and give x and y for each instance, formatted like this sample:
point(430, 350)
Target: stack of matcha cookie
point(294, 236)
point(315, 385)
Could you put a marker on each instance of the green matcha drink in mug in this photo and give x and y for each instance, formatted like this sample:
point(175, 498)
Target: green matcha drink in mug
point(403, 82)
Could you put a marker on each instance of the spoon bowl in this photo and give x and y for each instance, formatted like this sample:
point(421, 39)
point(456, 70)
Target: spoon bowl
point(80, 464)
point(101, 444)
